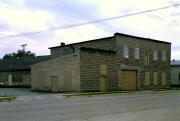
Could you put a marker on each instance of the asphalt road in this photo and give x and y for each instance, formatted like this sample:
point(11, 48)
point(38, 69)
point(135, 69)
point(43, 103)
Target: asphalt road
point(54, 107)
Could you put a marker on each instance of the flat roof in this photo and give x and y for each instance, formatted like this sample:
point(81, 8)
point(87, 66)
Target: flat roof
point(121, 34)
point(148, 39)
point(82, 42)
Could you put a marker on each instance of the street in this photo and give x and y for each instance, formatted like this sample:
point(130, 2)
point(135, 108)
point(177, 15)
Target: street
point(120, 107)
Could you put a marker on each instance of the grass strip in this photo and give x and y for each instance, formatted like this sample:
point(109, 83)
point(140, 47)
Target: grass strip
point(6, 99)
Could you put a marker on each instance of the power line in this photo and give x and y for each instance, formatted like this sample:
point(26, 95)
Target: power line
point(91, 22)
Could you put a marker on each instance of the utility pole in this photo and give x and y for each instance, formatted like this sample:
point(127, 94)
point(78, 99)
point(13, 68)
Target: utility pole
point(23, 46)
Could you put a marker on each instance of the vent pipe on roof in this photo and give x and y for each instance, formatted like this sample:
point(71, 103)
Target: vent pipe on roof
point(62, 43)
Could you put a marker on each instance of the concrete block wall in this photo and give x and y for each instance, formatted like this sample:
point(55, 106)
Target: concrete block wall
point(57, 67)
point(105, 43)
point(144, 46)
point(90, 63)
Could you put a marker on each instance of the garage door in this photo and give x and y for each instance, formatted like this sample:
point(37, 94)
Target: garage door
point(129, 80)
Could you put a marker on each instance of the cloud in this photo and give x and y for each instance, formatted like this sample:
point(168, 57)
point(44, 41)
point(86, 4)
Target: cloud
point(4, 26)
point(23, 19)
point(31, 15)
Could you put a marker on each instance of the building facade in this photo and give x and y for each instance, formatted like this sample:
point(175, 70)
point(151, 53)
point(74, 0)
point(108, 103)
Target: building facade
point(120, 62)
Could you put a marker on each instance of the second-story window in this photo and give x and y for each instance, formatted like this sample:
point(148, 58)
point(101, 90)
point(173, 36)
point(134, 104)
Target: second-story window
point(125, 51)
point(155, 55)
point(163, 55)
point(136, 53)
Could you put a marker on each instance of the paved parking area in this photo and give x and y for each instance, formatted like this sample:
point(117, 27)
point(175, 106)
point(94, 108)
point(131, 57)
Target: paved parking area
point(130, 107)
point(18, 92)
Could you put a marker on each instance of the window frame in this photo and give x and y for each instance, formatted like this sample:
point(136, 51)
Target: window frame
point(164, 55)
point(136, 53)
point(125, 51)
point(155, 55)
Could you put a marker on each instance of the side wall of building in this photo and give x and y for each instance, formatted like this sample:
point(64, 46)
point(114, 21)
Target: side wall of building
point(58, 74)
point(19, 78)
point(175, 75)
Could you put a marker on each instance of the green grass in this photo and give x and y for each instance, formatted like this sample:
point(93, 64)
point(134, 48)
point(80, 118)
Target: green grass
point(91, 94)
point(7, 98)
point(168, 89)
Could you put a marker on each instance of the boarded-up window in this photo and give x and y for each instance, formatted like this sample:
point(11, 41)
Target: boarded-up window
point(68, 79)
point(125, 51)
point(41, 79)
point(103, 70)
point(146, 58)
point(155, 78)
point(103, 78)
point(163, 55)
point(54, 83)
point(10, 80)
point(136, 53)
point(164, 78)
point(155, 55)
point(147, 79)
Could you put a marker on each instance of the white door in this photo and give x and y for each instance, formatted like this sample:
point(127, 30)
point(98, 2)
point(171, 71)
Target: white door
point(10, 79)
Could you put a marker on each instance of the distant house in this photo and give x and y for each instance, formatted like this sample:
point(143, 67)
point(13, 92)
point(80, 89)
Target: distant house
point(175, 73)
point(17, 72)
point(119, 62)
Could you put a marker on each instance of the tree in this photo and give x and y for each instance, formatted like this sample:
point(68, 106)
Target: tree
point(19, 54)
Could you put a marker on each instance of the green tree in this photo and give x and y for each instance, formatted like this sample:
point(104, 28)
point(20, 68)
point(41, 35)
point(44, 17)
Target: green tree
point(19, 54)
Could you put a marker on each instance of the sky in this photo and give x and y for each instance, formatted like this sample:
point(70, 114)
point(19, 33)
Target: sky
point(22, 16)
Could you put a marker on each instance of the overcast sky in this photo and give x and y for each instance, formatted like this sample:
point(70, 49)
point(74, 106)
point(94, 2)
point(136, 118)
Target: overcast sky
point(21, 16)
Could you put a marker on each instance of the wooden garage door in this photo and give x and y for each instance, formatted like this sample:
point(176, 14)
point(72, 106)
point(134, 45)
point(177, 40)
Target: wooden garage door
point(129, 80)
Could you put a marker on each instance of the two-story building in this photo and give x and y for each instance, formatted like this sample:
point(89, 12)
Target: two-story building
point(120, 62)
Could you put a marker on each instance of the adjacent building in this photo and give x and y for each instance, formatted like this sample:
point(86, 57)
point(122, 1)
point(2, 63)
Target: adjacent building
point(17, 72)
point(175, 73)
point(119, 62)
